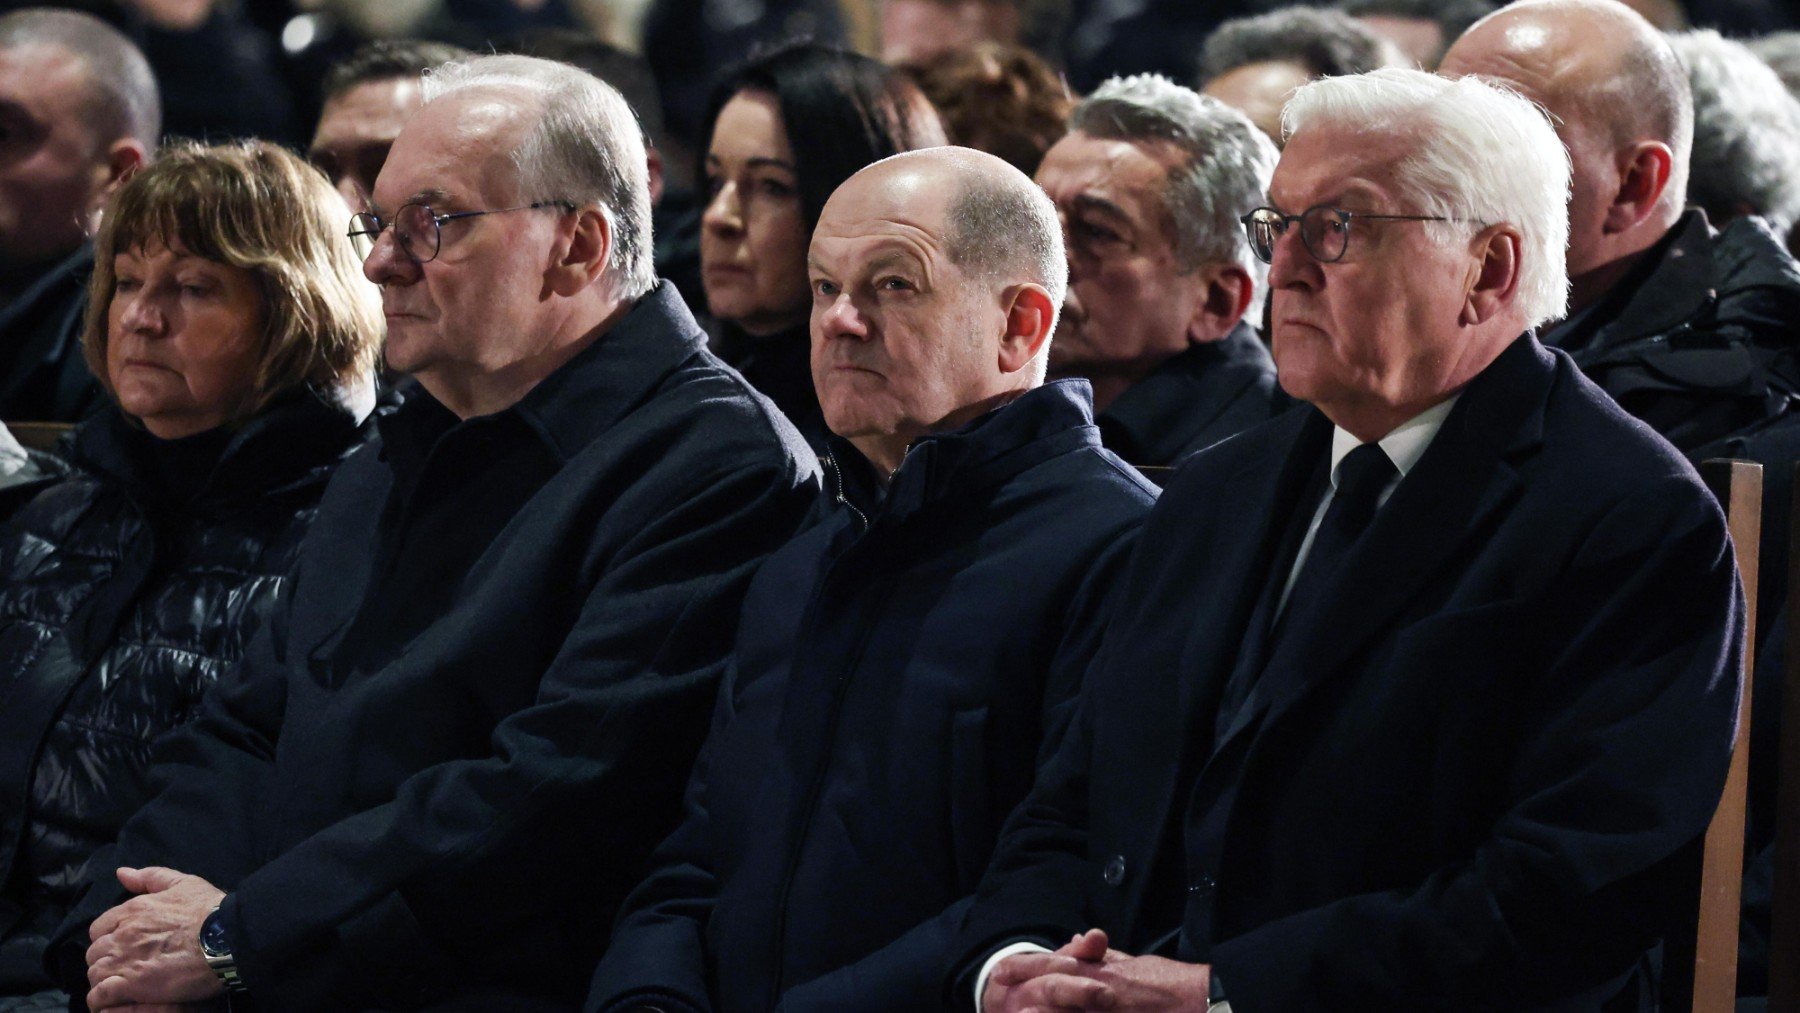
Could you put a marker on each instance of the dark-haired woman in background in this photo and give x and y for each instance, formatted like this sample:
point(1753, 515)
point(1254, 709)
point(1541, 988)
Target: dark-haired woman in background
point(229, 321)
point(786, 128)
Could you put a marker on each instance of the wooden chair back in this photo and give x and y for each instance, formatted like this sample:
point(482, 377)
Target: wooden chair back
point(1700, 961)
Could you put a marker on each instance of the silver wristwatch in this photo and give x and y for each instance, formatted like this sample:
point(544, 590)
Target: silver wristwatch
point(217, 951)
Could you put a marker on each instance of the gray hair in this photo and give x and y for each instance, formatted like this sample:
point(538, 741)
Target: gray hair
point(1781, 51)
point(1226, 174)
point(585, 147)
point(1326, 43)
point(124, 101)
point(999, 226)
point(1746, 132)
point(1482, 156)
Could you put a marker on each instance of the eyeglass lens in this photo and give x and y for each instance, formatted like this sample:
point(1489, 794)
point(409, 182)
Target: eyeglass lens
point(1325, 232)
point(415, 229)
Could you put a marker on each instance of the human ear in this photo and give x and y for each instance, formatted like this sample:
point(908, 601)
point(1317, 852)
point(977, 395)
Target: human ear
point(582, 257)
point(122, 160)
point(1030, 316)
point(1225, 296)
point(1644, 170)
point(1494, 273)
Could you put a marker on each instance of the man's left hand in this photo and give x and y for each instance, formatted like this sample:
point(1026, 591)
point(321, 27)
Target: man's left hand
point(146, 951)
point(1147, 984)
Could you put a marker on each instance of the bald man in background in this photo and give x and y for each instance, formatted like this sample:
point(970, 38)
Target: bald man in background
point(1687, 327)
point(899, 663)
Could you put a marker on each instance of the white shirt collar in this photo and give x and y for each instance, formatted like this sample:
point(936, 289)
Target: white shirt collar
point(1404, 446)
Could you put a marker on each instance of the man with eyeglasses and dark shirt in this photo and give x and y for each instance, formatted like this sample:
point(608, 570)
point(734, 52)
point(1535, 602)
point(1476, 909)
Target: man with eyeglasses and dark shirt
point(443, 763)
point(1454, 688)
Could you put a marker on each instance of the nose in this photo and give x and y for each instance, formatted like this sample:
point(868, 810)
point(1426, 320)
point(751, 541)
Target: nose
point(724, 214)
point(841, 319)
point(1291, 264)
point(387, 264)
point(142, 315)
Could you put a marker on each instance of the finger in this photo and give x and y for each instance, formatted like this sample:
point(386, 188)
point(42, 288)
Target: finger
point(103, 961)
point(1068, 990)
point(150, 879)
point(1023, 967)
point(108, 994)
point(107, 923)
point(1090, 945)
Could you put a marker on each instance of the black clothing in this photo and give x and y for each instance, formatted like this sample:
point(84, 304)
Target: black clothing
point(1700, 341)
point(123, 596)
point(780, 366)
point(1193, 400)
point(897, 667)
point(1466, 781)
point(43, 377)
point(438, 772)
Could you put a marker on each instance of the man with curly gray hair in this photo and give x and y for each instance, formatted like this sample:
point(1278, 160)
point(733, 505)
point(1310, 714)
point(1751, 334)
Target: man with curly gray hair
point(1150, 182)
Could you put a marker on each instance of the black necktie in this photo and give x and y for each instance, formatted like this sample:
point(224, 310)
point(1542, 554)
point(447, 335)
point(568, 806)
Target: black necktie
point(1362, 474)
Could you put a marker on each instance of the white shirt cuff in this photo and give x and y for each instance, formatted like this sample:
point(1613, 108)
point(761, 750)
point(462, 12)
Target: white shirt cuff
point(1002, 953)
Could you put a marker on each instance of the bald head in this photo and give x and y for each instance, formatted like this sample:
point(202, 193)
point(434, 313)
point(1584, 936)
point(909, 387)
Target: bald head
point(998, 225)
point(936, 278)
point(1619, 99)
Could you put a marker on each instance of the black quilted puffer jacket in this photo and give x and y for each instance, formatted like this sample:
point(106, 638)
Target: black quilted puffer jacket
point(124, 591)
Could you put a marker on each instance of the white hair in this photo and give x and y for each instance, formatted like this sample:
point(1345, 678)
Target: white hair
point(1482, 156)
point(1781, 51)
point(1746, 132)
point(1226, 174)
point(585, 147)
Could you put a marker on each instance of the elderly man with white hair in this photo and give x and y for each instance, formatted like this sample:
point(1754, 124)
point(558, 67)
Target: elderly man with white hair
point(1453, 686)
point(443, 761)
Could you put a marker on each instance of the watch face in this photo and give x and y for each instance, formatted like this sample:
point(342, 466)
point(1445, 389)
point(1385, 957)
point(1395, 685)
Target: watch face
point(212, 936)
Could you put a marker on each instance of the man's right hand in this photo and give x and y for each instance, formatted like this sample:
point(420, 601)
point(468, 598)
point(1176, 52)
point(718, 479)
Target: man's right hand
point(1051, 982)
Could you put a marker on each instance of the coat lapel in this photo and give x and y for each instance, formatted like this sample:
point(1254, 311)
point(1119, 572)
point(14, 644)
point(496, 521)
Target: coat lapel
point(1469, 473)
point(1214, 651)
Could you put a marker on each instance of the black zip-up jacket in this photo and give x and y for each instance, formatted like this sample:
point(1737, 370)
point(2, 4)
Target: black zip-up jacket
point(433, 781)
point(897, 667)
point(1197, 397)
point(122, 599)
point(1703, 342)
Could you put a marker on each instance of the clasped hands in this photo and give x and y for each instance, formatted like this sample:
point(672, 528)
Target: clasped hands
point(1087, 975)
point(145, 956)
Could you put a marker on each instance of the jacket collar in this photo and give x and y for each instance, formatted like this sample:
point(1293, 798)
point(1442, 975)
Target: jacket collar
point(274, 451)
point(1673, 288)
point(1052, 419)
point(1162, 413)
point(586, 395)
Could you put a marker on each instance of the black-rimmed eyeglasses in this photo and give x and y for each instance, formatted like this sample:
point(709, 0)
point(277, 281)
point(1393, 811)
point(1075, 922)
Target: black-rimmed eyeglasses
point(419, 230)
point(1324, 230)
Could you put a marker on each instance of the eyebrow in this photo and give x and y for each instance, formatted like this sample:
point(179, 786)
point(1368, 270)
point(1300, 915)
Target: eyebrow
point(1088, 202)
point(430, 195)
point(759, 162)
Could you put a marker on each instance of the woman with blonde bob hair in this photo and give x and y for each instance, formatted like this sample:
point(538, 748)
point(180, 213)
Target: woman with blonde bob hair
point(229, 321)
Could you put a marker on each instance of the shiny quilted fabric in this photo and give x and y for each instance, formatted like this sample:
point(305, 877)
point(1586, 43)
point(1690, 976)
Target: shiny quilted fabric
point(119, 607)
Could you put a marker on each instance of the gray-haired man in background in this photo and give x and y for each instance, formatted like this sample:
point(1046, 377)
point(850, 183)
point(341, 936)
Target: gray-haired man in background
point(1150, 182)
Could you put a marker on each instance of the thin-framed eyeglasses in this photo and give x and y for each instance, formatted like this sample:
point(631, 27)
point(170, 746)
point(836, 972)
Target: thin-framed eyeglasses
point(1324, 230)
point(419, 230)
